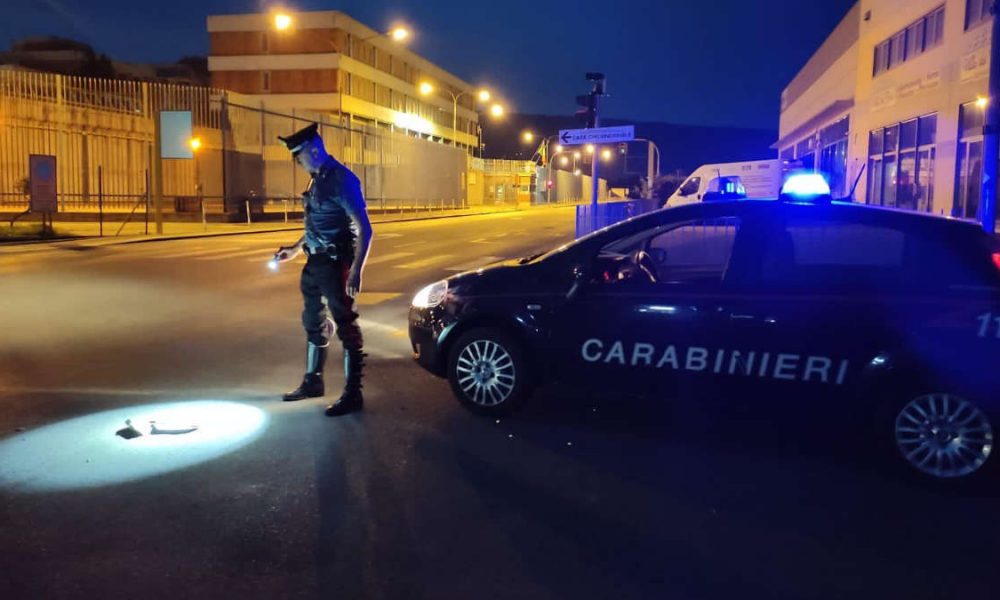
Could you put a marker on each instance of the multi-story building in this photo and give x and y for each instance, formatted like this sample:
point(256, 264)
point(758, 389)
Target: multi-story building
point(329, 63)
point(894, 99)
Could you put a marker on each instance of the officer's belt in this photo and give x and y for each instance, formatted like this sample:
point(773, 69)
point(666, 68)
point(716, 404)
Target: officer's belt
point(330, 251)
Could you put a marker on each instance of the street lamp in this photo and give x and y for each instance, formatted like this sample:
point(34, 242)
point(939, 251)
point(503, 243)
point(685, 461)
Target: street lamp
point(399, 33)
point(528, 137)
point(426, 88)
point(282, 21)
point(496, 111)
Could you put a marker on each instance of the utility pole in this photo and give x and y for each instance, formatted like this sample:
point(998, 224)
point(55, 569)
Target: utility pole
point(991, 133)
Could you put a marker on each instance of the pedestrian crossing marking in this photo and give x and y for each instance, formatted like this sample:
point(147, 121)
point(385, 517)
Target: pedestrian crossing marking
point(475, 264)
point(417, 264)
point(381, 258)
point(260, 253)
point(200, 252)
point(373, 298)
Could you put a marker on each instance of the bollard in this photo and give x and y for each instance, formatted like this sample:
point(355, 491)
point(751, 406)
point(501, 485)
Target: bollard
point(204, 220)
point(248, 212)
point(286, 211)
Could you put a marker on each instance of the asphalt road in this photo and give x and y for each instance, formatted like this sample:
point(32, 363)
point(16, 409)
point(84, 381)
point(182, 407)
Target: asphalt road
point(580, 496)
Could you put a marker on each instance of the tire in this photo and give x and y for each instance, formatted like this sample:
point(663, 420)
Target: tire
point(946, 437)
point(488, 372)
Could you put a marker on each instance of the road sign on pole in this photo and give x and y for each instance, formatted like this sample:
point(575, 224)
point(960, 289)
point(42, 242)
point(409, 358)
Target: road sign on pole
point(597, 135)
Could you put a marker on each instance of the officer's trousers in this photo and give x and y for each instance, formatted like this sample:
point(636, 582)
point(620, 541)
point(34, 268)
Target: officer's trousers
point(326, 277)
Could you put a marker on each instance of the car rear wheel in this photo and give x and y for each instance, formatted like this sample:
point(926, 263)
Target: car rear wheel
point(943, 435)
point(487, 372)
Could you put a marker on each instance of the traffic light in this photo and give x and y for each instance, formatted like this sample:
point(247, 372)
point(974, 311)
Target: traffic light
point(587, 113)
point(623, 148)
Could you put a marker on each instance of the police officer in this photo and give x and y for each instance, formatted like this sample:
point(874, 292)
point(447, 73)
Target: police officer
point(337, 237)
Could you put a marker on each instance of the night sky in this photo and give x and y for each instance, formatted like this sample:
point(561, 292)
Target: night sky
point(707, 62)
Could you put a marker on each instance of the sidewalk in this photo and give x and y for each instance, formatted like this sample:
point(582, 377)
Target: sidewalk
point(88, 232)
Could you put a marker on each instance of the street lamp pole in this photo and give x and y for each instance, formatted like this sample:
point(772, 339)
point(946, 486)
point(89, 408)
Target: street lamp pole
point(650, 174)
point(550, 166)
point(454, 114)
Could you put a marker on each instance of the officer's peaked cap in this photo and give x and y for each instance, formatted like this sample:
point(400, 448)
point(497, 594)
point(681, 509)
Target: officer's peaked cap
point(298, 139)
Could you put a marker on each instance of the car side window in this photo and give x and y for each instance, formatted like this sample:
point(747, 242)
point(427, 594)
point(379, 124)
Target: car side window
point(807, 253)
point(695, 252)
point(690, 186)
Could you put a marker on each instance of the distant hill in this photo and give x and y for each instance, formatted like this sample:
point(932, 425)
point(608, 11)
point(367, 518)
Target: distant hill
point(683, 147)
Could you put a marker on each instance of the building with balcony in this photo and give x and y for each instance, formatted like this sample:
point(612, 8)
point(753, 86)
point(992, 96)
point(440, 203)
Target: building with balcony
point(329, 63)
point(894, 99)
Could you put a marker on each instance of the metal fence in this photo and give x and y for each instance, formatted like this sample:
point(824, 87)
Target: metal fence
point(107, 127)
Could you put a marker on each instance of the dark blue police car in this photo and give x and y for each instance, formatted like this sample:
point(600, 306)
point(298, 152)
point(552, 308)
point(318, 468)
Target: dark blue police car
point(826, 307)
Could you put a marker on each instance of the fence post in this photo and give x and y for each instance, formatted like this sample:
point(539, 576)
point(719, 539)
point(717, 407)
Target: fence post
point(146, 215)
point(100, 199)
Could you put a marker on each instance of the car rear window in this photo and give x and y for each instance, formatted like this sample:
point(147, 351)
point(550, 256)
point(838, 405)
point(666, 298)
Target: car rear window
point(957, 259)
point(809, 253)
point(827, 254)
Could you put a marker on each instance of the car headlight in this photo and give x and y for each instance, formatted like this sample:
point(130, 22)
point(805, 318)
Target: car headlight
point(431, 295)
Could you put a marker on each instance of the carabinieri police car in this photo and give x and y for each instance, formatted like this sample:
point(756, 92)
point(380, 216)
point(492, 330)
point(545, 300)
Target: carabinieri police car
point(823, 306)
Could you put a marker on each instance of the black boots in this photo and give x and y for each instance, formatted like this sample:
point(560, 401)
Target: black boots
point(312, 383)
point(351, 400)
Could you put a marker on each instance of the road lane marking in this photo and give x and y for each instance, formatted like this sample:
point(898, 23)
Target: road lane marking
point(186, 254)
point(378, 259)
point(430, 260)
point(475, 264)
point(261, 254)
point(373, 298)
point(375, 325)
point(410, 244)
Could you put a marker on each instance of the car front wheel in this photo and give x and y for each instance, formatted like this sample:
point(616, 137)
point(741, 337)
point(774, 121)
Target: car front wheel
point(487, 372)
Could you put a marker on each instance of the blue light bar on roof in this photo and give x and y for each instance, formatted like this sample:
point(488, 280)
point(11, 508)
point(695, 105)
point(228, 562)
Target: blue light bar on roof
point(803, 185)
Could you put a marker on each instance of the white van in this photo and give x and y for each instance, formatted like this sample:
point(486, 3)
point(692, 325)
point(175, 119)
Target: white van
point(760, 179)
